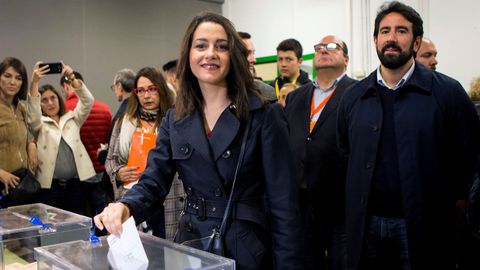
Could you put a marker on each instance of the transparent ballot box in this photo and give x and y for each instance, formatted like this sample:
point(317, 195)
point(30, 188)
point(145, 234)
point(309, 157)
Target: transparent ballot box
point(24, 227)
point(161, 254)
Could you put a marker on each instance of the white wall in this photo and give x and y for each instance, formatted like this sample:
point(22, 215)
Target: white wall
point(452, 25)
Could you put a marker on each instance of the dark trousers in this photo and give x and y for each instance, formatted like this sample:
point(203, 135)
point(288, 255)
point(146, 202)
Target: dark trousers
point(386, 245)
point(336, 246)
point(66, 194)
point(96, 198)
point(314, 236)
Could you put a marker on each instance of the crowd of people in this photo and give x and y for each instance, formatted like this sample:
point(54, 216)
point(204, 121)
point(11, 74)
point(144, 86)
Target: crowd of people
point(335, 173)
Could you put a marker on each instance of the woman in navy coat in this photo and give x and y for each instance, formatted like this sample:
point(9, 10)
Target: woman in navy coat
point(201, 139)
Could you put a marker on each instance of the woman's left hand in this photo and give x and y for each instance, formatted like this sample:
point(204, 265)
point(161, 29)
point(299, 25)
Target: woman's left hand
point(67, 71)
point(112, 218)
point(32, 157)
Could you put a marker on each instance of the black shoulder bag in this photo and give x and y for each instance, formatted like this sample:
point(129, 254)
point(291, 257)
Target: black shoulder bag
point(214, 242)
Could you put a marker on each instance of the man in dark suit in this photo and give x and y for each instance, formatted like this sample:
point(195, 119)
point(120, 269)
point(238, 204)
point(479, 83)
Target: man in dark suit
point(312, 114)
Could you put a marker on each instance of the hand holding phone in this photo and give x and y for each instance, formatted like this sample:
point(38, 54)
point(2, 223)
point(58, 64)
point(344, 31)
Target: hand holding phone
point(54, 67)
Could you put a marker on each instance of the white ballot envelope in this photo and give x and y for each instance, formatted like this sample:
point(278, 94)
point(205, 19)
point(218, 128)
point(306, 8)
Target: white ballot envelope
point(126, 252)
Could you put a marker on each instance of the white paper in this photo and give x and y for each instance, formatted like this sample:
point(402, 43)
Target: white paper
point(127, 252)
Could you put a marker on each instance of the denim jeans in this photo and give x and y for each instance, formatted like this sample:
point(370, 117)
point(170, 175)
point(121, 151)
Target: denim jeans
point(65, 194)
point(386, 245)
point(337, 248)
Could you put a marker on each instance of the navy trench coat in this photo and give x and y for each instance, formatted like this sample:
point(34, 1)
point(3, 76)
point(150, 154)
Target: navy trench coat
point(264, 231)
point(437, 135)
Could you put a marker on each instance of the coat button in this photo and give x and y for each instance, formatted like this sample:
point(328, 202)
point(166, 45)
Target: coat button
point(369, 165)
point(189, 191)
point(218, 192)
point(309, 139)
point(44, 147)
point(227, 154)
point(188, 227)
point(375, 128)
point(362, 201)
point(184, 149)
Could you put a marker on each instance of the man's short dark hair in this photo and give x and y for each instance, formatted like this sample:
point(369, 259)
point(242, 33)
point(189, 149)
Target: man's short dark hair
point(64, 79)
point(244, 35)
point(170, 66)
point(406, 11)
point(291, 44)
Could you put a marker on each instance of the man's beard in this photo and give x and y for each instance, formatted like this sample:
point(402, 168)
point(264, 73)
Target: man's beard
point(392, 61)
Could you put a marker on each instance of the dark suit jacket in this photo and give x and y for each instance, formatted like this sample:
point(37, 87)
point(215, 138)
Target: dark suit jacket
point(315, 154)
point(207, 167)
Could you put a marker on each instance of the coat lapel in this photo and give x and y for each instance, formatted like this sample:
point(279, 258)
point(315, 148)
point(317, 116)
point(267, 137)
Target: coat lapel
point(191, 128)
point(304, 111)
point(224, 133)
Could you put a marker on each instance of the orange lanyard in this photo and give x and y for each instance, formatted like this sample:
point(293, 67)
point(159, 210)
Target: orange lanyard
point(314, 110)
point(277, 89)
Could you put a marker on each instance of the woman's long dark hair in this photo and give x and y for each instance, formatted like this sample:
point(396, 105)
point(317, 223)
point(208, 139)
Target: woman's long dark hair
point(20, 68)
point(239, 78)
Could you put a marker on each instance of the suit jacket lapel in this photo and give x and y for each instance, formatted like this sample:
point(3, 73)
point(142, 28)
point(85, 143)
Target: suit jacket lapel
point(331, 105)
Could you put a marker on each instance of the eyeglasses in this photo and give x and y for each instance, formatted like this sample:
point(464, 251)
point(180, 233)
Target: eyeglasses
point(331, 46)
point(47, 100)
point(112, 87)
point(141, 91)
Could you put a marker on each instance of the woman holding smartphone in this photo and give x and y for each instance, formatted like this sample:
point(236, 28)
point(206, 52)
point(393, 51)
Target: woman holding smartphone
point(64, 161)
point(201, 140)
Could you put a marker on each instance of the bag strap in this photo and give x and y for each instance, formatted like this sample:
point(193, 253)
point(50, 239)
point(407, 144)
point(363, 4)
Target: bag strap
point(228, 208)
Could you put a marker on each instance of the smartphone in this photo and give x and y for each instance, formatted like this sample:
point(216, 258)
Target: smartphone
point(54, 68)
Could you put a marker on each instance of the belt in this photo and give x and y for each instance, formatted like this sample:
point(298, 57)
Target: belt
point(65, 182)
point(242, 210)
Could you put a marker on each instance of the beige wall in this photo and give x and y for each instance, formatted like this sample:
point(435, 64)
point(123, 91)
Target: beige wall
point(96, 37)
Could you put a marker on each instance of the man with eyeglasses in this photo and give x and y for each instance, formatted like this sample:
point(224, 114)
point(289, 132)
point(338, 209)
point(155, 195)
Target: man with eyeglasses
point(93, 133)
point(311, 112)
point(123, 83)
point(289, 61)
point(410, 138)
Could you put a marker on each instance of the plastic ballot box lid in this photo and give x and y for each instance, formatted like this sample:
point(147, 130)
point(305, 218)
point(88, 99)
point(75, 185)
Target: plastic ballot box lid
point(161, 254)
point(37, 219)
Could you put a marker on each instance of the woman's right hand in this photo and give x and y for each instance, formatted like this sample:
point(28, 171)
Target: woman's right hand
point(39, 72)
point(128, 174)
point(8, 179)
point(112, 218)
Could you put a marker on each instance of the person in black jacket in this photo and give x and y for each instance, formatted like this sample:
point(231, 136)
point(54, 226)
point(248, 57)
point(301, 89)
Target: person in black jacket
point(289, 61)
point(201, 139)
point(410, 136)
point(312, 117)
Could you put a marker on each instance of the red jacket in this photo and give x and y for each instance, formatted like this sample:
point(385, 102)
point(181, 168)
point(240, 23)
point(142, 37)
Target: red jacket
point(95, 129)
